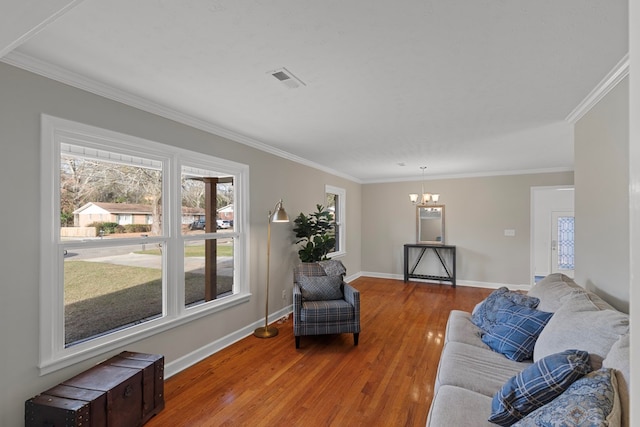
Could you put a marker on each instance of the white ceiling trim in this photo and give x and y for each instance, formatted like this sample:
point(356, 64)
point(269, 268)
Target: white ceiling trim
point(474, 175)
point(619, 72)
point(76, 80)
point(35, 30)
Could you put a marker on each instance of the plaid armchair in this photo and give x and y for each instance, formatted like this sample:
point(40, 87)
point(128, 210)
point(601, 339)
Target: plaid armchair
point(330, 316)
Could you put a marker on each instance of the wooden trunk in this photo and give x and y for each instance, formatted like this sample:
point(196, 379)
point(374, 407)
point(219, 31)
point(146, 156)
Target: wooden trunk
point(152, 367)
point(123, 391)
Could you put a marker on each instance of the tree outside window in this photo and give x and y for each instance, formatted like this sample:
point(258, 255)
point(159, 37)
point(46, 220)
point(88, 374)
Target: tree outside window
point(120, 257)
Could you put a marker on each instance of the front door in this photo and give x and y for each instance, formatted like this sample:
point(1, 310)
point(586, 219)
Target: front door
point(562, 242)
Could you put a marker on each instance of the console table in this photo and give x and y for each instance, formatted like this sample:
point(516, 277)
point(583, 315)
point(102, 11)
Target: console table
point(441, 252)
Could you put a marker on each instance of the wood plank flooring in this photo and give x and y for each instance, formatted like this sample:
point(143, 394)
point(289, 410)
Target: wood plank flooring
point(387, 380)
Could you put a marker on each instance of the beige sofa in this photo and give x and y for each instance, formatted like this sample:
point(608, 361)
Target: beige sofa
point(470, 373)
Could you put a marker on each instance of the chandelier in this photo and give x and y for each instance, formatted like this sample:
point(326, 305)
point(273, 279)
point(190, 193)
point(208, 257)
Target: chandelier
point(423, 198)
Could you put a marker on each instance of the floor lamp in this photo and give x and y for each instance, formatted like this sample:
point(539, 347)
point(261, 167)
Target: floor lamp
point(279, 215)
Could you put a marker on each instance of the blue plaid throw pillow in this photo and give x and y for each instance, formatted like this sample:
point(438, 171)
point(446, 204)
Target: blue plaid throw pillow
point(516, 331)
point(321, 288)
point(538, 385)
point(484, 315)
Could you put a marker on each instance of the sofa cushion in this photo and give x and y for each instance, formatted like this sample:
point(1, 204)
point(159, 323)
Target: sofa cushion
point(455, 406)
point(537, 385)
point(516, 331)
point(480, 370)
point(590, 401)
point(460, 329)
point(579, 323)
point(484, 314)
point(618, 359)
point(321, 288)
point(553, 290)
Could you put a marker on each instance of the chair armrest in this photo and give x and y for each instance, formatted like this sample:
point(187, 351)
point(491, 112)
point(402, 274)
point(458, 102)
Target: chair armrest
point(297, 300)
point(297, 293)
point(351, 295)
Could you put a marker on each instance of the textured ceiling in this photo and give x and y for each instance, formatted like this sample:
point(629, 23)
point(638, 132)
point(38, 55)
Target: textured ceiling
point(465, 87)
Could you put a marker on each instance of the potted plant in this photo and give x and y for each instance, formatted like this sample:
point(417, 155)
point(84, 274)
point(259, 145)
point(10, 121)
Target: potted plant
point(315, 232)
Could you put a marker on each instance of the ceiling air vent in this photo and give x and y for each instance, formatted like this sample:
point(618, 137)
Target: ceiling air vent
point(287, 78)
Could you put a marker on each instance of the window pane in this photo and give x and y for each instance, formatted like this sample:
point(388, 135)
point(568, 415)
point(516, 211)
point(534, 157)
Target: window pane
point(206, 195)
point(104, 193)
point(206, 281)
point(332, 206)
point(110, 288)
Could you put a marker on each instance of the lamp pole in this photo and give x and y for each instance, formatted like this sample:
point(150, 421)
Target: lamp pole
point(279, 215)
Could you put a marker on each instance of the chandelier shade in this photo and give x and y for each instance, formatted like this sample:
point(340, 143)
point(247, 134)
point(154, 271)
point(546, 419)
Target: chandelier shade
point(423, 198)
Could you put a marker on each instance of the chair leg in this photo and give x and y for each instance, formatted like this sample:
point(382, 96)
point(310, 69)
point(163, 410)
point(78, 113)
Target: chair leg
point(297, 342)
point(356, 335)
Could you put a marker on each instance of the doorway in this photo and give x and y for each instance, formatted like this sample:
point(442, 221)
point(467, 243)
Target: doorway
point(551, 246)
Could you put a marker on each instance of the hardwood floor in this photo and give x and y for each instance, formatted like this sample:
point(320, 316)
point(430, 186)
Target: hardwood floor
point(386, 380)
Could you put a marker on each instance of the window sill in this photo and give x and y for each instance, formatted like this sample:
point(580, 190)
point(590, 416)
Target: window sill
point(81, 352)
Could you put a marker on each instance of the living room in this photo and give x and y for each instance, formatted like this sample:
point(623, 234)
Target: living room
point(379, 217)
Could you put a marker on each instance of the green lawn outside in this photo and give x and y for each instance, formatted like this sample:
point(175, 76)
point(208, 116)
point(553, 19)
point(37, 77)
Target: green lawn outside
point(101, 297)
point(195, 251)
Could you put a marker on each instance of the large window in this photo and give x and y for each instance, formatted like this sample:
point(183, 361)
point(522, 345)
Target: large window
point(137, 237)
point(336, 201)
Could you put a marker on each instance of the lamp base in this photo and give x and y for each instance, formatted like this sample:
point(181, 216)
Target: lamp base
point(266, 332)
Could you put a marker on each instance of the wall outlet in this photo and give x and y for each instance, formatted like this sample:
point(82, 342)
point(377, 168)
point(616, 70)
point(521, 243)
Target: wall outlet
point(284, 294)
point(510, 232)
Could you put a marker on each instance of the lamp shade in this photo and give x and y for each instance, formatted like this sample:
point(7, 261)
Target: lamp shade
point(280, 215)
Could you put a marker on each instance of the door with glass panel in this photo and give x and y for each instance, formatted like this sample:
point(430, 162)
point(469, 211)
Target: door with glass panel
point(562, 242)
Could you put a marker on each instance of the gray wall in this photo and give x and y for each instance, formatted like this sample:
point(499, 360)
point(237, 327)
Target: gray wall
point(477, 211)
point(23, 97)
point(602, 197)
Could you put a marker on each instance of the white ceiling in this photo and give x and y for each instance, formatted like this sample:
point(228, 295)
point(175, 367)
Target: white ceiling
point(475, 87)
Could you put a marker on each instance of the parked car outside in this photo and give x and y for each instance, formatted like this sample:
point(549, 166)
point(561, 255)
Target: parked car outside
point(223, 223)
point(197, 225)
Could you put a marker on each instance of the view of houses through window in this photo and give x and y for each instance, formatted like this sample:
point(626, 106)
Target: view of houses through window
point(114, 198)
point(109, 196)
point(120, 257)
point(208, 260)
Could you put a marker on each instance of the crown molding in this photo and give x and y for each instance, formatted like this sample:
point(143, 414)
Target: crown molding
point(56, 13)
point(619, 72)
point(472, 175)
point(79, 81)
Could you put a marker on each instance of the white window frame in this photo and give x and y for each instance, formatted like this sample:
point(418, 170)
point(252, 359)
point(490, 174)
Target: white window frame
point(55, 131)
point(341, 222)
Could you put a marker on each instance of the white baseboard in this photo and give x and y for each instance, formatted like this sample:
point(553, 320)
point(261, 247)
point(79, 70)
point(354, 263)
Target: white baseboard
point(196, 356)
point(469, 283)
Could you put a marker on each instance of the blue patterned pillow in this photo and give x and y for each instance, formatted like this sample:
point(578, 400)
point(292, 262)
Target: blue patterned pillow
point(516, 330)
point(590, 401)
point(321, 288)
point(537, 385)
point(484, 315)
